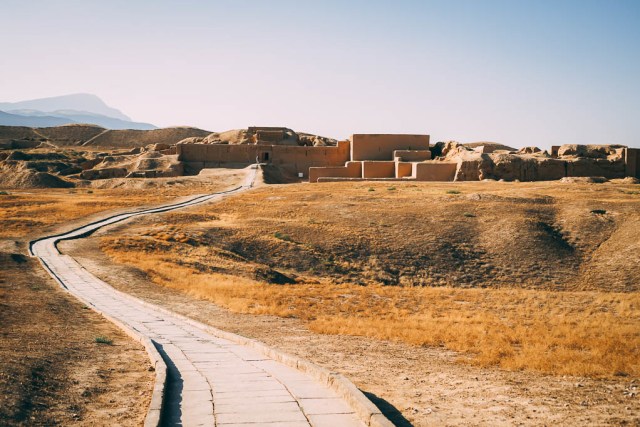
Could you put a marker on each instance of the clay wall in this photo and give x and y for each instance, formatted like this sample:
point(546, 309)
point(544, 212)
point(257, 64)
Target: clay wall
point(270, 135)
point(596, 167)
point(301, 158)
point(404, 169)
point(378, 169)
point(220, 153)
point(351, 170)
point(381, 147)
point(412, 155)
point(632, 162)
point(435, 171)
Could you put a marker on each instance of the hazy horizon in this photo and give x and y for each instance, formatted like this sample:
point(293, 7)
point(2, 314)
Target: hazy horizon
point(519, 73)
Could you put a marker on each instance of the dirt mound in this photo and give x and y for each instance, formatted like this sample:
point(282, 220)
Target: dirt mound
point(18, 175)
point(627, 180)
point(252, 136)
point(150, 164)
point(590, 151)
point(142, 138)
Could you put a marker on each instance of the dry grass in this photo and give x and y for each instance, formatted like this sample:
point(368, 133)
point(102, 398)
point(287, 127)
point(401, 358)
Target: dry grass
point(33, 211)
point(564, 333)
point(26, 212)
point(496, 239)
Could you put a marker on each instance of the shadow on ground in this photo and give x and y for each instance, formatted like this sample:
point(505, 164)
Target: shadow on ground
point(171, 410)
point(389, 411)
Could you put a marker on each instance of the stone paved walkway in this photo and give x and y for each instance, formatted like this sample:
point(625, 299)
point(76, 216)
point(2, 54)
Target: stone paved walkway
point(211, 381)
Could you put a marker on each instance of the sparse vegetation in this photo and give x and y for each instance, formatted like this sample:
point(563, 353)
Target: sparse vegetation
point(103, 340)
point(282, 236)
point(598, 211)
point(28, 212)
point(360, 241)
point(562, 333)
point(453, 192)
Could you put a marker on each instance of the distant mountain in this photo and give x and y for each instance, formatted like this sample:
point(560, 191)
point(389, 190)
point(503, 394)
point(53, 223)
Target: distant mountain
point(77, 102)
point(7, 119)
point(68, 109)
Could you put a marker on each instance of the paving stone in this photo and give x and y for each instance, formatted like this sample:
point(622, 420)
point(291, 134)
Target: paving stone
point(275, 424)
point(260, 416)
point(325, 406)
point(335, 420)
point(309, 390)
point(248, 405)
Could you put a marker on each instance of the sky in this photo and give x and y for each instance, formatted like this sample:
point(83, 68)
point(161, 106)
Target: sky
point(518, 72)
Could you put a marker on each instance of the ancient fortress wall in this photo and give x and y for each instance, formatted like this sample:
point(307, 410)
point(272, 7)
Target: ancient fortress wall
point(412, 155)
point(300, 158)
point(372, 169)
point(381, 147)
point(406, 157)
point(435, 171)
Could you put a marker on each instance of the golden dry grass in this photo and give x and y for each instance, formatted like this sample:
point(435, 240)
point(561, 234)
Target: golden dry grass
point(563, 333)
point(32, 211)
point(25, 212)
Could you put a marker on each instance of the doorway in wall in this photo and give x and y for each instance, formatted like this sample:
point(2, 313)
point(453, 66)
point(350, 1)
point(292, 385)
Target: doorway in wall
point(265, 157)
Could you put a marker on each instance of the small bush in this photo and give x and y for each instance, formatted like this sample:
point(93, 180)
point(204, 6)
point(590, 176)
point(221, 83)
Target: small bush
point(598, 211)
point(391, 188)
point(372, 189)
point(4, 193)
point(103, 340)
point(90, 192)
point(281, 236)
point(453, 192)
point(469, 215)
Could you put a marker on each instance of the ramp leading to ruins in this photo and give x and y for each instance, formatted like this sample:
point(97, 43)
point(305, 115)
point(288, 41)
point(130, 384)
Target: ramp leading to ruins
point(205, 376)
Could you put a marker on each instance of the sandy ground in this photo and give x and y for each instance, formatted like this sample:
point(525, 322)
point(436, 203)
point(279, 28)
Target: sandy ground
point(413, 385)
point(52, 370)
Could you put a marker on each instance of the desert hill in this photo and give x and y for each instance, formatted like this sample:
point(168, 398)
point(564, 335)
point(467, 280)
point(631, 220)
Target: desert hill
point(20, 137)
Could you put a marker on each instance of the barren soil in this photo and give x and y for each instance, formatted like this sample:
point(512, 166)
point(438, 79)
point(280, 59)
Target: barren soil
point(52, 370)
point(539, 235)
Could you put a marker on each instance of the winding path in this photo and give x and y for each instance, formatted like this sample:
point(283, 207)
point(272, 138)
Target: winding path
point(212, 377)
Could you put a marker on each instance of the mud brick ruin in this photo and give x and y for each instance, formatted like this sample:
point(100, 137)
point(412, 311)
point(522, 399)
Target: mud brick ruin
point(411, 157)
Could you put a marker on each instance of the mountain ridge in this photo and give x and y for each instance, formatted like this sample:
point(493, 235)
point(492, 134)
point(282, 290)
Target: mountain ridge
point(77, 108)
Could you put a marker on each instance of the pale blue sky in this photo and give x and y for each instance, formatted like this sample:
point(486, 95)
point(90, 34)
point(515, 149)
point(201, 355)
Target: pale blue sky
point(516, 72)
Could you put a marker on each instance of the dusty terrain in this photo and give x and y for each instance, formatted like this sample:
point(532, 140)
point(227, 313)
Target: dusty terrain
point(272, 234)
point(508, 267)
point(52, 370)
